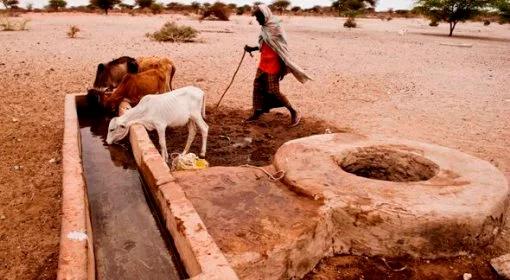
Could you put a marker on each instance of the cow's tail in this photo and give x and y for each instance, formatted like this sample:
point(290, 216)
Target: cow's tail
point(171, 77)
point(203, 106)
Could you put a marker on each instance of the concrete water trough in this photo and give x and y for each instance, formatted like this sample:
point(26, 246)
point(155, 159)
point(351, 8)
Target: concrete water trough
point(340, 193)
point(120, 245)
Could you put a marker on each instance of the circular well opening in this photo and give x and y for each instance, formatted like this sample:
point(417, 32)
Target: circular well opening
point(383, 163)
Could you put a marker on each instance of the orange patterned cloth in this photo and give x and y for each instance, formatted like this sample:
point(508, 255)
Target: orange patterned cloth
point(269, 60)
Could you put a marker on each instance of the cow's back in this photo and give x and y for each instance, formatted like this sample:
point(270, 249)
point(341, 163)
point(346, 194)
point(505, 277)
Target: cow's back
point(147, 82)
point(163, 64)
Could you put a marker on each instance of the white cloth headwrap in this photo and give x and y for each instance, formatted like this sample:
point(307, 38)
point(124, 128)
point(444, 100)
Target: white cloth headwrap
point(273, 34)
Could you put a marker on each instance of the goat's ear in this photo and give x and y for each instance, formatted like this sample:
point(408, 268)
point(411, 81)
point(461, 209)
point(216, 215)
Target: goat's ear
point(100, 67)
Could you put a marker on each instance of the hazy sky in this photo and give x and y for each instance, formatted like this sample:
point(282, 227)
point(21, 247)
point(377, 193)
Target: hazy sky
point(382, 5)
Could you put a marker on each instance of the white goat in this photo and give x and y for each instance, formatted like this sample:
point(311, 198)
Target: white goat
point(176, 108)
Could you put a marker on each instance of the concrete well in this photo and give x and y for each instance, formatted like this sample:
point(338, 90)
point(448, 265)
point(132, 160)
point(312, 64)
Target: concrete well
point(345, 193)
point(397, 197)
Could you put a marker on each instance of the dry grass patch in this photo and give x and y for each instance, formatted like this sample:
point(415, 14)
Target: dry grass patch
point(73, 31)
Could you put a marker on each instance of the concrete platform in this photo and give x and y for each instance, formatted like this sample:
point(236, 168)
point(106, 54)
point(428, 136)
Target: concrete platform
point(345, 193)
point(265, 230)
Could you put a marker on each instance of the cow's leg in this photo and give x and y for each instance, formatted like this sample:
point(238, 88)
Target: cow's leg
point(192, 131)
point(204, 129)
point(162, 141)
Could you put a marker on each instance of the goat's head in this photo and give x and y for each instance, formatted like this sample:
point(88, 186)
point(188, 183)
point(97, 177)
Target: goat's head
point(117, 130)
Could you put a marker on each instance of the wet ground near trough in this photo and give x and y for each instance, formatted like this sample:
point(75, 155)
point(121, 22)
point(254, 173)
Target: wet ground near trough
point(128, 241)
point(232, 142)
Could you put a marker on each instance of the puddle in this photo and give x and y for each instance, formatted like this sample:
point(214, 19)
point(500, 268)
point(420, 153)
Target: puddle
point(128, 243)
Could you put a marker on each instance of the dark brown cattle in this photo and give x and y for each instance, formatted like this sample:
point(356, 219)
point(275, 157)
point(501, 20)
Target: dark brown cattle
point(110, 75)
point(134, 86)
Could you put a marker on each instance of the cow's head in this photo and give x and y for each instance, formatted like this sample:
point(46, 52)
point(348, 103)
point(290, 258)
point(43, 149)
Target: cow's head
point(102, 76)
point(109, 75)
point(117, 130)
point(94, 97)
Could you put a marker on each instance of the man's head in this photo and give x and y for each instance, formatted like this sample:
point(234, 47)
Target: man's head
point(258, 13)
point(116, 131)
point(261, 19)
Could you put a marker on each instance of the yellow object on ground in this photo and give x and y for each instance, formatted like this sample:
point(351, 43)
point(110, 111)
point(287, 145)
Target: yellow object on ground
point(188, 162)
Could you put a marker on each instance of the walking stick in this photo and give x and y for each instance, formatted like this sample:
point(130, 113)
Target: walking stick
point(233, 77)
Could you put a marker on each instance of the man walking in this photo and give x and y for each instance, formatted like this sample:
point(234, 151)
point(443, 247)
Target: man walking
point(275, 63)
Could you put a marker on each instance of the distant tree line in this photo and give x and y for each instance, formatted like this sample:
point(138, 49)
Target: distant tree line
point(449, 11)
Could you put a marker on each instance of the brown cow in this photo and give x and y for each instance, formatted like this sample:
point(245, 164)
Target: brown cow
point(110, 75)
point(163, 64)
point(134, 86)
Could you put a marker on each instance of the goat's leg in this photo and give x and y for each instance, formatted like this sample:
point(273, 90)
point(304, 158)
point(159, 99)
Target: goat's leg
point(204, 130)
point(162, 142)
point(192, 132)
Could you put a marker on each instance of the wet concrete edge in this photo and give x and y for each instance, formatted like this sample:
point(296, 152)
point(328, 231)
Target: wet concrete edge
point(76, 256)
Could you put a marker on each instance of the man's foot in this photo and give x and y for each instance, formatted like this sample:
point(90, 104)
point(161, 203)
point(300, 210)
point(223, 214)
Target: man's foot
point(252, 119)
point(255, 117)
point(295, 119)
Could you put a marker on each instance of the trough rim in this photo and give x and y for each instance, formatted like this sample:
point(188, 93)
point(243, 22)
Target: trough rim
point(76, 253)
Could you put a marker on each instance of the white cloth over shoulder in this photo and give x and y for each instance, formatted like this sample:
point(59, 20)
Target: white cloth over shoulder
point(273, 34)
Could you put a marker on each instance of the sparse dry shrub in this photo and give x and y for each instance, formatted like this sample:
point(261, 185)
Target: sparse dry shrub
point(218, 11)
point(156, 8)
point(350, 23)
point(23, 24)
point(171, 32)
point(11, 24)
point(73, 31)
point(7, 24)
point(145, 11)
point(434, 23)
point(389, 18)
point(486, 22)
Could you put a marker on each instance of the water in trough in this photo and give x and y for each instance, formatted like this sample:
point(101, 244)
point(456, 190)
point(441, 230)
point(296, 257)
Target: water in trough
point(129, 242)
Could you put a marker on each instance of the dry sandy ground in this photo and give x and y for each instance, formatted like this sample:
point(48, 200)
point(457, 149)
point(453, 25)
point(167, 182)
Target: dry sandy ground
point(370, 79)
